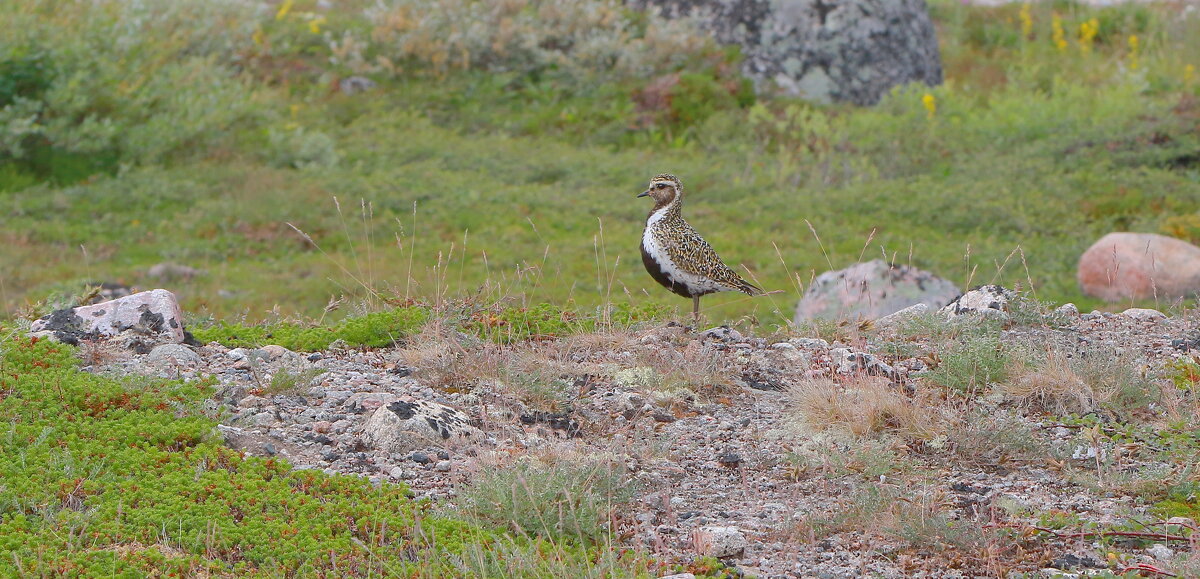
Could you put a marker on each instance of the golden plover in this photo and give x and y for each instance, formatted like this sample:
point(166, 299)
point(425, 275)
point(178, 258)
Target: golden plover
point(675, 254)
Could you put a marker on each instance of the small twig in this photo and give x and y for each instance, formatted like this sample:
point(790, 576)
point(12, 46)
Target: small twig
point(1148, 568)
point(1095, 534)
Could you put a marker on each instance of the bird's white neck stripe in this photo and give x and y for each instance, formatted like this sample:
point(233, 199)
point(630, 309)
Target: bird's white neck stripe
point(658, 215)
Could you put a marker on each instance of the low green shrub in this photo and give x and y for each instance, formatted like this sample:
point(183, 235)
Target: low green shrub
point(973, 365)
point(104, 477)
point(514, 324)
point(375, 330)
point(557, 499)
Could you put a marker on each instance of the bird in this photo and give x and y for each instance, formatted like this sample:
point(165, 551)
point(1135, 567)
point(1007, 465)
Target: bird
point(674, 253)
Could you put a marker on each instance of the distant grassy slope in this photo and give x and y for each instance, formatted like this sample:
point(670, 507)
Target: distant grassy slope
point(514, 176)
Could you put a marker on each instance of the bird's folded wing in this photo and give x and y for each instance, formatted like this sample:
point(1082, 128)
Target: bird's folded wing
point(692, 254)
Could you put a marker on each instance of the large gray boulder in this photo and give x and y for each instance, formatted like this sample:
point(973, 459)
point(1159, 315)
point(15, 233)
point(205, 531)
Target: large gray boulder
point(823, 50)
point(872, 290)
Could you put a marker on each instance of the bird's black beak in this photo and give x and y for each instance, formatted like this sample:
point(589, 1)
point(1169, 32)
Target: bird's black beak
point(644, 193)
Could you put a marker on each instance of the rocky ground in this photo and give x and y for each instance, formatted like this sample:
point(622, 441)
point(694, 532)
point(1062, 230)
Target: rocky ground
point(706, 427)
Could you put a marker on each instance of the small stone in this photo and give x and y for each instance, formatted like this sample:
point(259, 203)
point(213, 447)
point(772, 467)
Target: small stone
point(810, 343)
point(420, 458)
point(173, 271)
point(264, 419)
point(352, 85)
point(730, 460)
point(1144, 314)
point(1162, 553)
point(1067, 309)
point(443, 455)
point(396, 472)
point(442, 466)
point(275, 352)
point(713, 541)
point(679, 576)
point(722, 333)
point(985, 301)
point(315, 356)
point(895, 318)
point(174, 354)
point(663, 416)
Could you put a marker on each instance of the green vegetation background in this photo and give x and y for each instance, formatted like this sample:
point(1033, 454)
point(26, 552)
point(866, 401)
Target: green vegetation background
point(213, 135)
point(495, 162)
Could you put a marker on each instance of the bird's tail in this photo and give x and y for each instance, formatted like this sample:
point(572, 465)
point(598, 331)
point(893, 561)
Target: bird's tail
point(748, 288)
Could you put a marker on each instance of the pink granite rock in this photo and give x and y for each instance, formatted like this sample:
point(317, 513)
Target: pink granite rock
point(1139, 266)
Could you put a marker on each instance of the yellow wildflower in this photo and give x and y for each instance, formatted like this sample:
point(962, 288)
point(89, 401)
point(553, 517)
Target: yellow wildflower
point(258, 36)
point(1087, 34)
point(1059, 35)
point(284, 9)
point(930, 103)
point(1133, 51)
point(1189, 73)
point(314, 25)
point(1026, 16)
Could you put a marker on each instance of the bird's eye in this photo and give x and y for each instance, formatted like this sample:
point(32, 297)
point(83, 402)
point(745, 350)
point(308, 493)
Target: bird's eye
point(661, 186)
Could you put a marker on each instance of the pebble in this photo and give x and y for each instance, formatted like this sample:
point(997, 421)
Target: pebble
point(1161, 552)
point(442, 466)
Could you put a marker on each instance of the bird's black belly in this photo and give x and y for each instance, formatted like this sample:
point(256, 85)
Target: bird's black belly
point(660, 276)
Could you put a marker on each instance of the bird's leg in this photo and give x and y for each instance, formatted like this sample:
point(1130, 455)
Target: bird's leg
point(695, 308)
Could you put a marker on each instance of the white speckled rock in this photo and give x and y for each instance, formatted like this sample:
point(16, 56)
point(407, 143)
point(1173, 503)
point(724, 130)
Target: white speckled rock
point(988, 300)
point(155, 313)
point(408, 423)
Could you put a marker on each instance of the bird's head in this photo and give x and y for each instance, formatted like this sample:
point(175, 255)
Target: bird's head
point(664, 189)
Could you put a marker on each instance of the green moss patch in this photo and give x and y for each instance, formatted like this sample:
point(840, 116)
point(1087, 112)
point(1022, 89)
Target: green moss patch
point(103, 477)
point(374, 330)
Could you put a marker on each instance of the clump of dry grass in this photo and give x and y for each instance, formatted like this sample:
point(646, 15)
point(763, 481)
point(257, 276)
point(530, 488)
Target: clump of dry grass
point(1085, 383)
point(862, 407)
point(1052, 386)
point(443, 361)
point(693, 367)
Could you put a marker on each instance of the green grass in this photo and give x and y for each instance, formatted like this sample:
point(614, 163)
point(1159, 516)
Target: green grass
point(500, 324)
point(103, 477)
point(446, 183)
